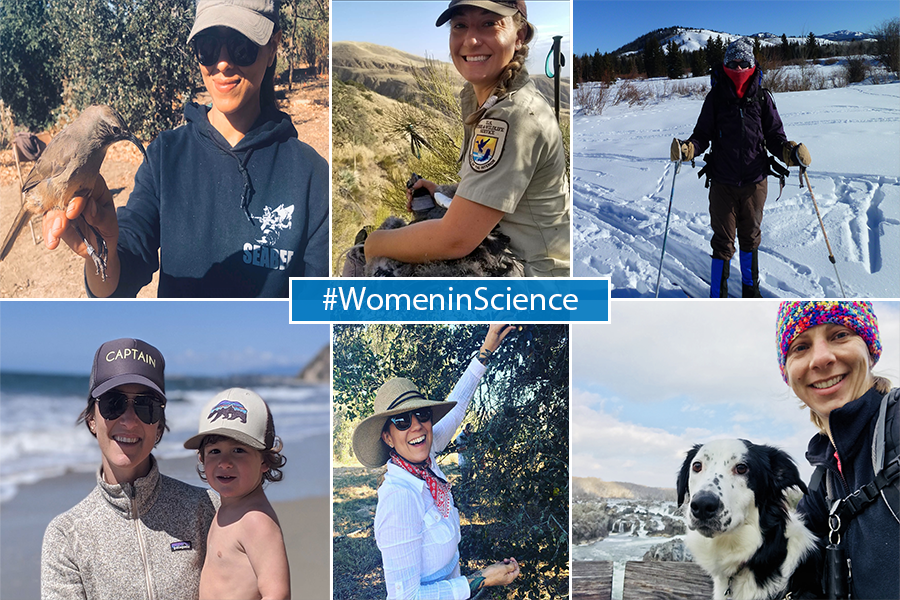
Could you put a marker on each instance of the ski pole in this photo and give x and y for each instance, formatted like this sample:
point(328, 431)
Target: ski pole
point(666, 234)
point(822, 225)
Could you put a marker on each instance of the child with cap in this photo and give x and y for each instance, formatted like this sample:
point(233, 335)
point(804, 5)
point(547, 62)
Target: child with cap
point(238, 451)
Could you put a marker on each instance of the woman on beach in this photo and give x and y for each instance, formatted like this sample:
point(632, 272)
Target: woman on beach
point(513, 168)
point(740, 120)
point(416, 522)
point(826, 352)
point(230, 205)
point(138, 534)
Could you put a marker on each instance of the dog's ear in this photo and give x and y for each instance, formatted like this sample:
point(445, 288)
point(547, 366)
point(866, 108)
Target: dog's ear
point(685, 473)
point(784, 471)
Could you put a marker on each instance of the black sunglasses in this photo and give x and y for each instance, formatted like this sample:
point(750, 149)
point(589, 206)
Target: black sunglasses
point(403, 421)
point(744, 64)
point(241, 50)
point(148, 407)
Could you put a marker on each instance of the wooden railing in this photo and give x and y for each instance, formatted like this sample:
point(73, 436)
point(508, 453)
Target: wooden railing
point(651, 580)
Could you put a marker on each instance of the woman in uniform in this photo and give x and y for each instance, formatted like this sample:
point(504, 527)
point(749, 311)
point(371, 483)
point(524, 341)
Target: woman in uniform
point(513, 170)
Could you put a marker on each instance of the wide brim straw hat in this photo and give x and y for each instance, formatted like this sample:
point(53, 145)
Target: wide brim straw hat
point(395, 396)
point(504, 8)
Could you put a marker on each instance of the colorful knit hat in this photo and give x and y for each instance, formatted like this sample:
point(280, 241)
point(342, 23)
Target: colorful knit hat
point(795, 317)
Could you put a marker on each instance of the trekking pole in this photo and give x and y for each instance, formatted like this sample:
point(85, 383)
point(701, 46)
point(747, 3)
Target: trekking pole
point(666, 234)
point(822, 225)
point(559, 60)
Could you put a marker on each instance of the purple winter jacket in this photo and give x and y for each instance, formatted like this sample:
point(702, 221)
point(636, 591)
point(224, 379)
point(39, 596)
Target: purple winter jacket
point(740, 130)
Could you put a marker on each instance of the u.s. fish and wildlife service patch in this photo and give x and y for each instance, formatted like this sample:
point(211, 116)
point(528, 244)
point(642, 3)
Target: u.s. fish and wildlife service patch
point(487, 144)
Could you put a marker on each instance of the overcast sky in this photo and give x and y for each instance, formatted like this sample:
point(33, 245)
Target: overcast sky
point(408, 25)
point(664, 375)
point(210, 338)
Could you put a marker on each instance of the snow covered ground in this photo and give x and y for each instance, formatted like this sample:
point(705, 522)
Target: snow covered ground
point(622, 180)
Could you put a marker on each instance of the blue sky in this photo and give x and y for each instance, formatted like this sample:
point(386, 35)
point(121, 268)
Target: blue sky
point(408, 25)
point(195, 337)
point(663, 376)
point(608, 25)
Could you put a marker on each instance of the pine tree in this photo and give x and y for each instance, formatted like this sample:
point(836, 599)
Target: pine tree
point(785, 49)
point(715, 51)
point(812, 47)
point(674, 61)
point(654, 61)
point(699, 67)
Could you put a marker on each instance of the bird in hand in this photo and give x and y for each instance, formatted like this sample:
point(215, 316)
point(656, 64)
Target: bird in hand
point(69, 167)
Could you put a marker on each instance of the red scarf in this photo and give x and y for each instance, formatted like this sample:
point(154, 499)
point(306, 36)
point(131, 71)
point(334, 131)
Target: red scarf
point(741, 79)
point(440, 489)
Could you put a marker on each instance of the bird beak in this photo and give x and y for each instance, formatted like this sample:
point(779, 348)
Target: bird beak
point(131, 138)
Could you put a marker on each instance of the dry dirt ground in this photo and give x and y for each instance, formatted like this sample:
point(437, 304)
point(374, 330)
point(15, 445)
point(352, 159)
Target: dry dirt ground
point(32, 271)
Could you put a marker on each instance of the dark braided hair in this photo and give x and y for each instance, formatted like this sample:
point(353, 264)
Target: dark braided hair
point(508, 75)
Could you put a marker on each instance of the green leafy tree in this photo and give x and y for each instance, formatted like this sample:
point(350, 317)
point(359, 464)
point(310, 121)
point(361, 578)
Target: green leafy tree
point(519, 492)
point(29, 51)
point(130, 54)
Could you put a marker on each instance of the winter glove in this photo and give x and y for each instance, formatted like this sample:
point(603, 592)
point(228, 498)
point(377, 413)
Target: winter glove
point(681, 150)
point(796, 155)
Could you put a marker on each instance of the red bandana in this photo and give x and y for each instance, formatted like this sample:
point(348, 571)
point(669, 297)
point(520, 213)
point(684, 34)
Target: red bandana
point(440, 489)
point(741, 79)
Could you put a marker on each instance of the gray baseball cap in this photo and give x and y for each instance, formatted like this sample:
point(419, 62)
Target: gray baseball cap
point(238, 414)
point(124, 361)
point(255, 19)
point(504, 8)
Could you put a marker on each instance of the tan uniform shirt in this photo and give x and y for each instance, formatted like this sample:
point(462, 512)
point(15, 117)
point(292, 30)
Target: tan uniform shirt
point(514, 160)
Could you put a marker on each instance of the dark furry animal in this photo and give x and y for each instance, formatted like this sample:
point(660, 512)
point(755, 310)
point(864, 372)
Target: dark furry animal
point(740, 527)
point(492, 257)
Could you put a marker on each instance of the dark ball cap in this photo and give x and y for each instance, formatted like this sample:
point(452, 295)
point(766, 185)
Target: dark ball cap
point(125, 361)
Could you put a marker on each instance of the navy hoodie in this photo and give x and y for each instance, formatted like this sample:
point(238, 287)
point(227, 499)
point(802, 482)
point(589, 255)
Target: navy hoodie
point(739, 130)
point(873, 539)
point(225, 222)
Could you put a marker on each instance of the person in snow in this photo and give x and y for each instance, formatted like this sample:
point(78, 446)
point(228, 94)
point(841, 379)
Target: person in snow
point(741, 121)
point(416, 520)
point(826, 352)
point(232, 204)
point(138, 534)
point(513, 170)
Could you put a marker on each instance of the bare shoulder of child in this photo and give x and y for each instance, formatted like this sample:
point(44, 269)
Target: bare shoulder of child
point(245, 554)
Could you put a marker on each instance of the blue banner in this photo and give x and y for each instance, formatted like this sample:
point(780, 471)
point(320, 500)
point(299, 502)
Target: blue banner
point(426, 300)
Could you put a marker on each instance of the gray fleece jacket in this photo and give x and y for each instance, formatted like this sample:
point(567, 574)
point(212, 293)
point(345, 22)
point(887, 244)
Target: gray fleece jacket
point(145, 540)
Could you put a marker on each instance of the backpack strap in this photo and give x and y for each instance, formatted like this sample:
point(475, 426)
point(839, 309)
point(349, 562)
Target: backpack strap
point(884, 443)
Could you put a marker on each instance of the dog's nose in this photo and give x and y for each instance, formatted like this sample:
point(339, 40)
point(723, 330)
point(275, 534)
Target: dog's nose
point(704, 506)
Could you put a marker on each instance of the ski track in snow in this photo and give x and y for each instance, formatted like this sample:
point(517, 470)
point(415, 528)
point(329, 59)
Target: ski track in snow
point(622, 180)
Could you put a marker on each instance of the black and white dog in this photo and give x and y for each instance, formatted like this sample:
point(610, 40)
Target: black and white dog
point(740, 529)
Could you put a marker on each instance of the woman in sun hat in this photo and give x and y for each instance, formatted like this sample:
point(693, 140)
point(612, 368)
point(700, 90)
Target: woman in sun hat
point(416, 521)
point(139, 533)
point(230, 205)
point(826, 352)
point(513, 170)
point(739, 118)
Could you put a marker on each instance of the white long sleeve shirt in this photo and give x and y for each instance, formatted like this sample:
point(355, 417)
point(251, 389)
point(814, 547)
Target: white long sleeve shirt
point(419, 547)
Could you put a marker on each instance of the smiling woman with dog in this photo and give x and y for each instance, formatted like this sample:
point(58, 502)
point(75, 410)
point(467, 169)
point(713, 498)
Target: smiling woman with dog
point(416, 522)
point(826, 353)
point(513, 170)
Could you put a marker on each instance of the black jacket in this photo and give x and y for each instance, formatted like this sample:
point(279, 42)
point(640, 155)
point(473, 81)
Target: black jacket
point(873, 539)
point(740, 130)
point(185, 216)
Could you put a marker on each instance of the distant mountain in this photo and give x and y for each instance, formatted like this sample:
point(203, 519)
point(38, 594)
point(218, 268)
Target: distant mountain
point(318, 370)
point(589, 488)
point(691, 39)
point(389, 72)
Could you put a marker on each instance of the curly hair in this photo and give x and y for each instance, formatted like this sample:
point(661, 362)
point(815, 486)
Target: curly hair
point(507, 76)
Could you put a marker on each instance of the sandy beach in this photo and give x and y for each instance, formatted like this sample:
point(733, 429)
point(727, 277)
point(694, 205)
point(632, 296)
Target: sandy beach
point(306, 523)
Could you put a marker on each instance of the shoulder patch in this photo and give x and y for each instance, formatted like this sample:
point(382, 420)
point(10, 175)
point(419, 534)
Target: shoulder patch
point(487, 144)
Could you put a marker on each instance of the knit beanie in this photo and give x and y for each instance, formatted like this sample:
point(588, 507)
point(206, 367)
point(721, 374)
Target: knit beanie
point(738, 50)
point(795, 317)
